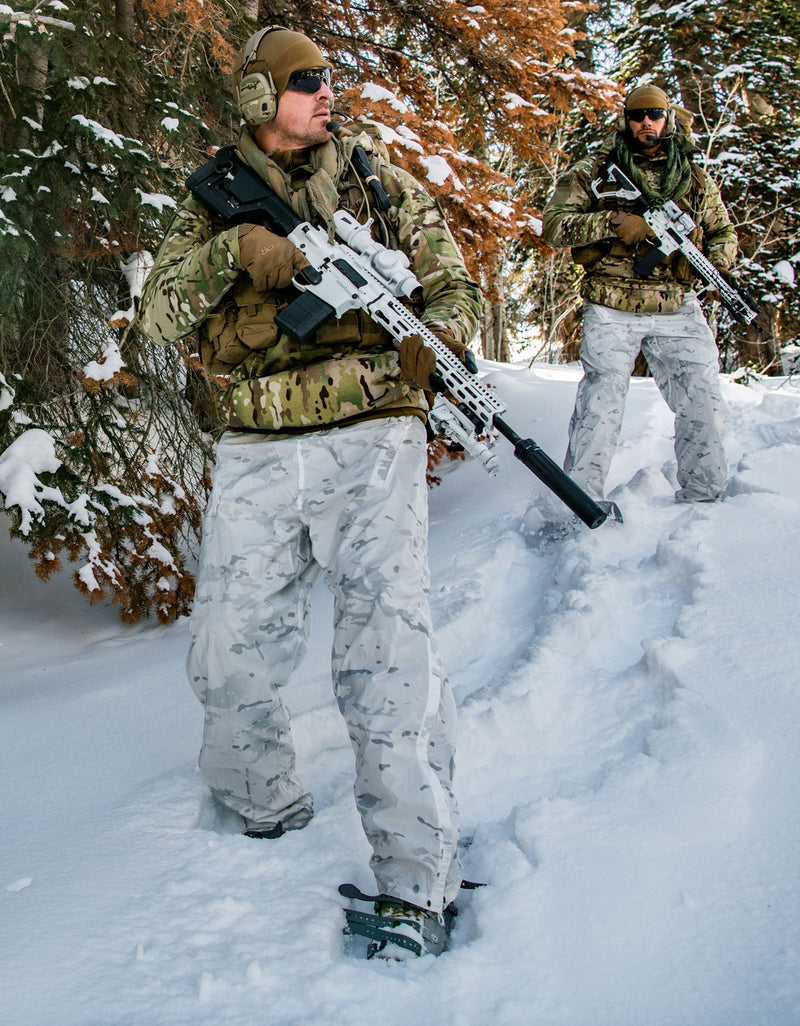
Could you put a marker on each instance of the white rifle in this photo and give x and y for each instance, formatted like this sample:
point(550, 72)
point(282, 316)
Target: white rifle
point(671, 228)
point(357, 272)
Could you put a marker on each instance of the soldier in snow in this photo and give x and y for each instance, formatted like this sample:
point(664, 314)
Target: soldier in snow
point(322, 468)
point(659, 315)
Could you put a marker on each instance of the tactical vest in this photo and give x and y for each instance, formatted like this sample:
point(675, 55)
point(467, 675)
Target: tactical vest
point(609, 279)
point(350, 368)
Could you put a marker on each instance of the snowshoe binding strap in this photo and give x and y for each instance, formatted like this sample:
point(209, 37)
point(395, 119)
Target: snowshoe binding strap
point(396, 929)
point(398, 926)
point(351, 891)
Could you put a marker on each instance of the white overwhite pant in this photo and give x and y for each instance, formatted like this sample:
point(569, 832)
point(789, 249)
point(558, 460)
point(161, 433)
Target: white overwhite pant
point(684, 361)
point(351, 502)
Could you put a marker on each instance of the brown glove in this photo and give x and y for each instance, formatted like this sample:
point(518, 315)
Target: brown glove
point(464, 353)
point(269, 259)
point(417, 362)
point(444, 334)
point(630, 228)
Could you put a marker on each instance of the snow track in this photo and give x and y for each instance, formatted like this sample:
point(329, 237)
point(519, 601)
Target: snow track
point(627, 773)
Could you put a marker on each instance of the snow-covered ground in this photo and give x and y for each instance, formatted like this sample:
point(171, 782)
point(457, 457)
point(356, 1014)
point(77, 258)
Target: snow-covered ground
point(628, 772)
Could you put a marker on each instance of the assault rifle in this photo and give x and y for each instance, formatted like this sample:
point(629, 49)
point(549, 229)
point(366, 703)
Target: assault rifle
point(671, 227)
point(359, 273)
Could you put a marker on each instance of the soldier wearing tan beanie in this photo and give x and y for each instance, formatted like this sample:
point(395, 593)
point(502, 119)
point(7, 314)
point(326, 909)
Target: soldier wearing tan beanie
point(660, 315)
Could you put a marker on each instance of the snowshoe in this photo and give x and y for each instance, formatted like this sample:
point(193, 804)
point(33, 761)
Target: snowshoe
point(397, 929)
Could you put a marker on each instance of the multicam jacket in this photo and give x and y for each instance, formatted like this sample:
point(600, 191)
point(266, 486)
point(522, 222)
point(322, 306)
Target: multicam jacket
point(350, 369)
point(574, 217)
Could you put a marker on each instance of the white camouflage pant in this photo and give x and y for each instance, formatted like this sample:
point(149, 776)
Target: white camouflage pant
point(684, 361)
point(351, 502)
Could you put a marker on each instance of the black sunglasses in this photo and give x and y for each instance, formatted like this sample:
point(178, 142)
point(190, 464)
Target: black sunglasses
point(654, 113)
point(309, 80)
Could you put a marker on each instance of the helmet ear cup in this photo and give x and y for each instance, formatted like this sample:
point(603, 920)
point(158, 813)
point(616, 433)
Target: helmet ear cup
point(256, 96)
point(258, 99)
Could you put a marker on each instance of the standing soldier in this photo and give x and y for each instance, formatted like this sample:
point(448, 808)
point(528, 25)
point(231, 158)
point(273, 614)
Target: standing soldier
point(322, 468)
point(659, 315)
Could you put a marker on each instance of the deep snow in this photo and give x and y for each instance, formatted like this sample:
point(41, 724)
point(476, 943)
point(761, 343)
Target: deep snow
point(627, 771)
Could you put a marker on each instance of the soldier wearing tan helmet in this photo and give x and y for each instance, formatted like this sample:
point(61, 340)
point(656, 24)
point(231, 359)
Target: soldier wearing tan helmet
point(660, 315)
point(321, 470)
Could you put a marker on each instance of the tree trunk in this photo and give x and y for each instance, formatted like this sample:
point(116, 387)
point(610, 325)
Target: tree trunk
point(761, 350)
point(31, 71)
point(126, 19)
point(494, 339)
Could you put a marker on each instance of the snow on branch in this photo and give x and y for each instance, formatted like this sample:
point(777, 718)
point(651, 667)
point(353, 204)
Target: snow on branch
point(100, 131)
point(438, 171)
point(372, 91)
point(34, 18)
point(29, 455)
point(109, 364)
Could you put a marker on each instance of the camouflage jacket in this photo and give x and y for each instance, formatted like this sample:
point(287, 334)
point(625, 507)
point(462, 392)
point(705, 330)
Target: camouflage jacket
point(350, 369)
point(574, 217)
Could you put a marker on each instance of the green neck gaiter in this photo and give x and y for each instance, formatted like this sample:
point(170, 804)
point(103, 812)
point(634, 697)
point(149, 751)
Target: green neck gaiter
point(677, 174)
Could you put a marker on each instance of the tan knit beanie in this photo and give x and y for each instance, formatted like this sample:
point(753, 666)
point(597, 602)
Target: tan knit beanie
point(279, 52)
point(646, 96)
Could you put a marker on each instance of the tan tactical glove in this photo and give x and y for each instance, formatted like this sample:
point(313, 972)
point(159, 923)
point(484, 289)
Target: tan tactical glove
point(417, 362)
point(630, 228)
point(269, 259)
point(418, 359)
point(445, 335)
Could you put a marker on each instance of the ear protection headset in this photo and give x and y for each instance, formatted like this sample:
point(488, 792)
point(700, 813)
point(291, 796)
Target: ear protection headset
point(257, 97)
point(670, 127)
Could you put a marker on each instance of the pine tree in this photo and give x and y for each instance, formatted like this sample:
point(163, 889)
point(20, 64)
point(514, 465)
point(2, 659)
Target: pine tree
point(735, 67)
point(94, 428)
point(106, 107)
